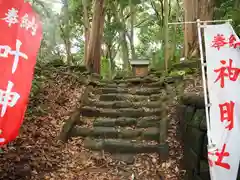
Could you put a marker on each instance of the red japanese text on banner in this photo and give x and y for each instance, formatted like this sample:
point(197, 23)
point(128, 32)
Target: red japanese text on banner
point(20, 38)
point(223, 71)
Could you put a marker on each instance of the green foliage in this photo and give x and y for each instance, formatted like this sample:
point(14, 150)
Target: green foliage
point(148, 29)
point(105, 68)
point(229, 9)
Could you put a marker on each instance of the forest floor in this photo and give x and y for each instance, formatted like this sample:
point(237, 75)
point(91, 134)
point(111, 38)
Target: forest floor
point(38, 155)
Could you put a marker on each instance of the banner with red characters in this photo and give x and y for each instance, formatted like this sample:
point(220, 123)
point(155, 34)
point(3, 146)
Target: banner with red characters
point(20, 38)
point(223, 70)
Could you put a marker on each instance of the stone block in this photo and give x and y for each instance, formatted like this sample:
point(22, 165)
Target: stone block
point(204, 170)
point(191, 160)
point(198, 117)
point(194, 139)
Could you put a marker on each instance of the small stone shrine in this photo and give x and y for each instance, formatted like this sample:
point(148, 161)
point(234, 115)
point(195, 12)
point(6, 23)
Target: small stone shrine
point(140, 67)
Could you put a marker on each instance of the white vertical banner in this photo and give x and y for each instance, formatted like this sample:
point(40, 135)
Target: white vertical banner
point(223, 71)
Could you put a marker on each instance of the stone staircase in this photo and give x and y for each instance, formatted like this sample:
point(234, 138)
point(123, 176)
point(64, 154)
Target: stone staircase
point(123, 116)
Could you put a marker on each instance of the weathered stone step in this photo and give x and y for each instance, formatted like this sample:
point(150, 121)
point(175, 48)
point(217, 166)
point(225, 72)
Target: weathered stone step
point(144, 122)
point(124, 112)
point(112, 132)
point(141, 82)
point(125, 146)
point(159, 84)
point(128, 97)
point(137, 80)
point(124, 104)
point(137, 91)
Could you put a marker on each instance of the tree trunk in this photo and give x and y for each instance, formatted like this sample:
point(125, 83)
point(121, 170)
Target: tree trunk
point(236, 4)
point(86, 28)
point(166, 38)
point(132, 12)
point(203, 10)
point(125, 53)
point(124, 44)
point(66, 31)
point(174, 40)
point(95, 38)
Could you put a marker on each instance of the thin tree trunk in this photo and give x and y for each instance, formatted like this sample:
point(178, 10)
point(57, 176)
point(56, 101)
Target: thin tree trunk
point(66, 31)
point(124, 44)
point(125, 53)
point(132, 12)
point(236, 4)
point(86, 29)
point(174, 42)
point(166, 38)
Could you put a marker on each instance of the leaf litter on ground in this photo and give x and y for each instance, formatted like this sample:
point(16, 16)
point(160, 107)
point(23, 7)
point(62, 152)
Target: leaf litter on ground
point(37, 154)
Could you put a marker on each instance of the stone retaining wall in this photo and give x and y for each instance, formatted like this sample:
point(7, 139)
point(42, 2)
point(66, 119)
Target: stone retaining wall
point(193, 132)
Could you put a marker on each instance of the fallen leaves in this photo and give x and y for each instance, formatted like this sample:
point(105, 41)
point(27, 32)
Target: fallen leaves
point(38, 155)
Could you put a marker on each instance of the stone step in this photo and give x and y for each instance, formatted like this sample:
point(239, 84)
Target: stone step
point(159, 84)
point(123, 112)
point(144, 122)
point(138, 80)
point(137, 91)
point(125, 146)
point(112, 132)
point(128, 97)
point(124, 104)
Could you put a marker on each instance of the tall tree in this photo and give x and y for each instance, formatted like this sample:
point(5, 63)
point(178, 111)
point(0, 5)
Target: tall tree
point(95, 37)
point(201, 9)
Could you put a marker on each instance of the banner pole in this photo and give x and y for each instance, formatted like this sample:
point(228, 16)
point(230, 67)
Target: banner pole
point(205, 90)
point(204, 79)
